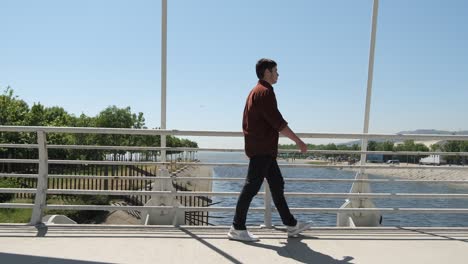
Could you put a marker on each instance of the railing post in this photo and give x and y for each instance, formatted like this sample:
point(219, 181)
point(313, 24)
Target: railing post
point(42, 181)
point(175, 203)
point(163, 74)
point(267, 200)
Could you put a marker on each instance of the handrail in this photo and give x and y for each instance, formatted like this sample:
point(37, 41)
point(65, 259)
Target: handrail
point(211, 164)
point(154, 132)
point(287, 194)
point(134, 148)
point(196, 178)
point(254, 209)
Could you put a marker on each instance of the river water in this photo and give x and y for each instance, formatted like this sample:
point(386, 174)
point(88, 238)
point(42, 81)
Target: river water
point(324, 219)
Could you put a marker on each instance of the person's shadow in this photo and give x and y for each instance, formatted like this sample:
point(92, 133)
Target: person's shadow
point(295, 249)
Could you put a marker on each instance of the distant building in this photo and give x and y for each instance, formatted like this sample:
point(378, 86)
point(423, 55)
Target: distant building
point(375, 158)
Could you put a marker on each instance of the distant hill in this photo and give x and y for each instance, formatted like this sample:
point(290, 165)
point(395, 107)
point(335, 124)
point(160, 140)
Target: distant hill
point(434, 131)
point(414, 132)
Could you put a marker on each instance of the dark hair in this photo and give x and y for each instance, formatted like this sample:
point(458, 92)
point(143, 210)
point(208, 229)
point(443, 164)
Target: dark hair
point(262, 65)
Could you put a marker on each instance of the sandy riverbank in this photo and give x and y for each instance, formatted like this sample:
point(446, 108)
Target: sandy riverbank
point(439, 173)
point(124, 218)
point(198, 171)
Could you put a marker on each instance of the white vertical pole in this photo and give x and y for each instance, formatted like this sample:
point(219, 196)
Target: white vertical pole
point(163, 75)
point(365, 187)
point(41, 193)
point(370, 76)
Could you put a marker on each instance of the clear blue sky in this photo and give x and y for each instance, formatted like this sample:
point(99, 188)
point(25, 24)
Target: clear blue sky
point(87, 55)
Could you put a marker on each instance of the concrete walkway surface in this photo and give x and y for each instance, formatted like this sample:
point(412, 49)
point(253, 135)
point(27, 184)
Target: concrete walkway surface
point(93, 244)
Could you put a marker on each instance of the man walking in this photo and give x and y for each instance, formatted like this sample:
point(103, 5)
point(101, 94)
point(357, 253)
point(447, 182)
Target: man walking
point(262, 122)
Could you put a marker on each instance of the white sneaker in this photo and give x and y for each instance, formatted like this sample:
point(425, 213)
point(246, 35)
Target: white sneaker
point(242, 235)
point(298, 228)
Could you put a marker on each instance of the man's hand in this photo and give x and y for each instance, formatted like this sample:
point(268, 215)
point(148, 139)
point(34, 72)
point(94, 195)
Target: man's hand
point(291, 135)
point(302, 146)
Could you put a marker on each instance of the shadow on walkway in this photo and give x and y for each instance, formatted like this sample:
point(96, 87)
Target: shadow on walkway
point(211, 246)
point(433, 234)
point(295, 249)
point(26, 259)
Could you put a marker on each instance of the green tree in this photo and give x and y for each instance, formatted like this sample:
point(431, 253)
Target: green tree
point(372, 146)
point(388, 146)
point(36, 117)
point(114, 117)
point(16, 112)
point(13, 112)
point(452, 146)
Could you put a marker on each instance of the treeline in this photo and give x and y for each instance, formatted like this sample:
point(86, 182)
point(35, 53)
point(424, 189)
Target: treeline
point(407, 145)
point(16, 112)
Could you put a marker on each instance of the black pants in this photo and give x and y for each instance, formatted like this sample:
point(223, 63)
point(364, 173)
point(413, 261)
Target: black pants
point(261, 167)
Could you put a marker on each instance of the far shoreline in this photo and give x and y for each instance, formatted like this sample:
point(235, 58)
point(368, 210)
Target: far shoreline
point(410, 174)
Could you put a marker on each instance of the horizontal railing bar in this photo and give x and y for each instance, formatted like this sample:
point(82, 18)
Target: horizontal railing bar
point(356, 152)
point(135, 148)
point(86, 162)
point(338, 195)
point(17, 190)
point(336, 210)
point(118, 131)
point(16, 205)
point(19, 146)
point(385, 210)
point(259, 209)
point(230, 209)
point(153, 132)
point(106, 192)
point(380, 195)
point(287, 194)
point(323, 180)
point(96, 147)
point(424, 167)
point(373, 180)
point(12, 175)
point(105, 207)
point(194, 178)
point(148, 178)
point(28, 161)
point(92, 162)
point(95, 177)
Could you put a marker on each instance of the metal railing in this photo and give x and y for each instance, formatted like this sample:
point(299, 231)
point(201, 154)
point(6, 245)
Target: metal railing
point(41, 192)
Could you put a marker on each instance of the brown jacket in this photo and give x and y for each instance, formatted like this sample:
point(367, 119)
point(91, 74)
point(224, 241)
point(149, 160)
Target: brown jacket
point(262, 121)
